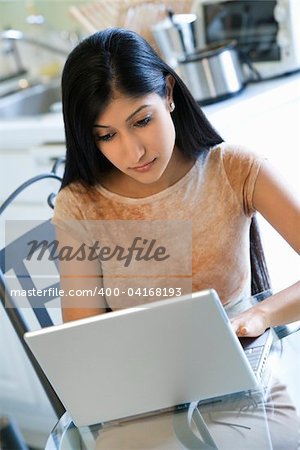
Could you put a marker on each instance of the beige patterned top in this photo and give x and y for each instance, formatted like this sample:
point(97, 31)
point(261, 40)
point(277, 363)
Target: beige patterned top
point(214, 197)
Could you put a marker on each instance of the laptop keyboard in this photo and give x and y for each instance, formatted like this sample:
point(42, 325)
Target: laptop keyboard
point(257, 350)
point(254, 356)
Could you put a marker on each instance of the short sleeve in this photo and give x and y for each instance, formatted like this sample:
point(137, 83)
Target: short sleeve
point(68, 215)
point(242, 167)
point(66, 206)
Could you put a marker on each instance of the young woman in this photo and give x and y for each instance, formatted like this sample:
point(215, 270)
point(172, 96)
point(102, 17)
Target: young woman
point(136, 138)
point(140, 148)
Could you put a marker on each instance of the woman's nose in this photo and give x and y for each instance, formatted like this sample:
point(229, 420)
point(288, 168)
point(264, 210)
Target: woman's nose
point(133, 149)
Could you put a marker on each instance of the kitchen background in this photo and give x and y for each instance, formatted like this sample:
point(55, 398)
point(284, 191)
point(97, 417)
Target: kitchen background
point(264, 116)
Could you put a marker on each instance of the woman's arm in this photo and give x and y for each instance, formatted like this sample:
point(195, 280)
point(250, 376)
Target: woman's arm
point(80, 280)
point(280, 208)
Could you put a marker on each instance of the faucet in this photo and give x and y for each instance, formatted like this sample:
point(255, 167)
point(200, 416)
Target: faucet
point(11, 37)
point(16, 35)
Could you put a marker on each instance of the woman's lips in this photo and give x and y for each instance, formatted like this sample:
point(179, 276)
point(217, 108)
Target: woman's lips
point(144, 167)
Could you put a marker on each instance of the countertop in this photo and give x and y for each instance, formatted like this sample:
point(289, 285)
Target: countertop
point(26, 132)
point(263, 94)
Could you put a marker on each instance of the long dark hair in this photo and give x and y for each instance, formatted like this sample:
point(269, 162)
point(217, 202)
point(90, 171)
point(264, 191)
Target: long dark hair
point(260, 278)
point(118, 59)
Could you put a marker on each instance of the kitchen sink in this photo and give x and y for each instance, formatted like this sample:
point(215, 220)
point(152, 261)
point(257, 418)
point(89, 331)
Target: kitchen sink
point(31, 101)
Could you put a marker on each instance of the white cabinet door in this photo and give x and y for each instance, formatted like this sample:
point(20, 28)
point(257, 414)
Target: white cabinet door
point(19, 165)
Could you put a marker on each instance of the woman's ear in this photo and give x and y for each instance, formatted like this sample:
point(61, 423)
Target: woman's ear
point(170, 82)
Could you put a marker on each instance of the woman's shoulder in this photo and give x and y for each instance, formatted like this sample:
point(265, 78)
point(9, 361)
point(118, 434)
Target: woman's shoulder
point(73, 199)
point(234, 151)
point(239, 166)
point(234, 157)
point(76, 190)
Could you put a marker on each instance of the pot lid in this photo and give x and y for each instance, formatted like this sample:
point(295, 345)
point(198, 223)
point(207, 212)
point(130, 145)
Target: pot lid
point(209, 51)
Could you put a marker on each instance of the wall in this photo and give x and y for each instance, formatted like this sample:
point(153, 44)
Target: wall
point(13, 13)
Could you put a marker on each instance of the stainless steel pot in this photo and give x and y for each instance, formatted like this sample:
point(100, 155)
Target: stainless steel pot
point(176, 37)
point(213, 73)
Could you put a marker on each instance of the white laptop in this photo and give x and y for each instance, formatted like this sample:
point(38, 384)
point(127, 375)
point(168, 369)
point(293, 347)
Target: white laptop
point(143, 359)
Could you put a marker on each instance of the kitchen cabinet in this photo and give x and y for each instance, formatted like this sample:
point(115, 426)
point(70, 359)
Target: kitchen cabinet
point(265, 118)
point(19, 165)
point(24, 164)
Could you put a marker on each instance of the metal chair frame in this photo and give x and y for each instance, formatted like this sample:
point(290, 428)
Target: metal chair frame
point(19, 324)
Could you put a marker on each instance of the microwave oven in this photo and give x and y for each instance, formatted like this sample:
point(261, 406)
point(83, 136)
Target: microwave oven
point(267, 32)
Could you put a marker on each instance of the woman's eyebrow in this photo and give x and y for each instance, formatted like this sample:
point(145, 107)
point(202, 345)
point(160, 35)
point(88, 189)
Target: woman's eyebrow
point(135, 112)
point(128, 118)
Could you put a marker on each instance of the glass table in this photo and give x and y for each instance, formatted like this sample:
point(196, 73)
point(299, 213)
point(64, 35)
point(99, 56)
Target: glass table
point(263, 419)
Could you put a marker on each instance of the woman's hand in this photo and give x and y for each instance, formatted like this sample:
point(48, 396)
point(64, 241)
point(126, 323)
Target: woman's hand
point(250, 323)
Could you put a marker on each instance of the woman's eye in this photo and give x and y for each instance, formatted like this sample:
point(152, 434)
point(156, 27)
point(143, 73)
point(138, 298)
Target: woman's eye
point(105, 137)
point(143, 122)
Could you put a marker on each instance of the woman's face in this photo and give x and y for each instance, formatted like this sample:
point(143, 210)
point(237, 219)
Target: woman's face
point(137, 136)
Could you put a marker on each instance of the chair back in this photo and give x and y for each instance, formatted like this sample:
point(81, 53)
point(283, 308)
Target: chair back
point(15, 259)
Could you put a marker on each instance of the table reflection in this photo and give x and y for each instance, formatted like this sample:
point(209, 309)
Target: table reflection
point(262, 419)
